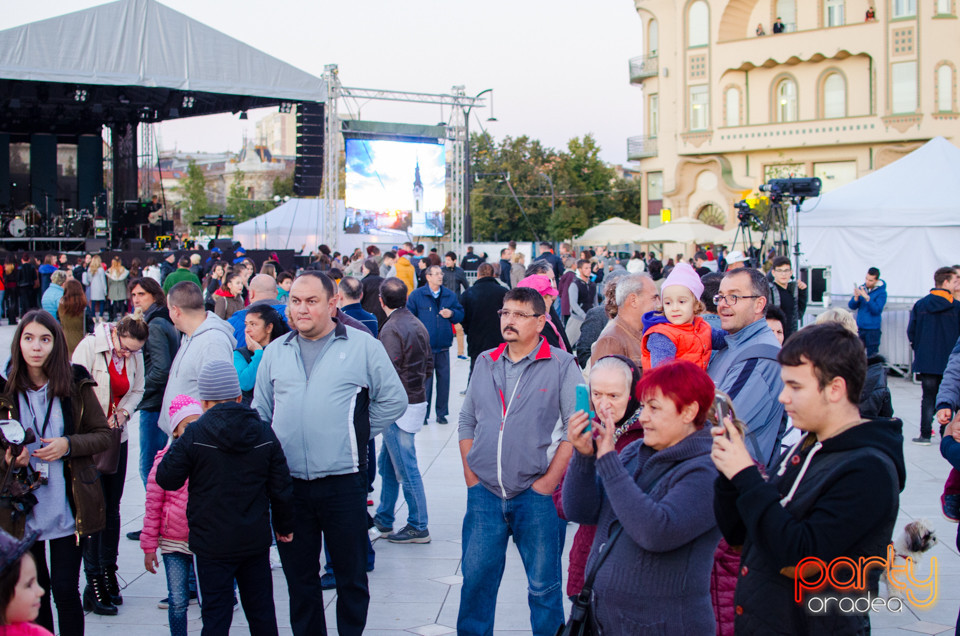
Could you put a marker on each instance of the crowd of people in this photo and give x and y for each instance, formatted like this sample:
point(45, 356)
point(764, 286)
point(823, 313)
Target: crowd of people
point(677, 412)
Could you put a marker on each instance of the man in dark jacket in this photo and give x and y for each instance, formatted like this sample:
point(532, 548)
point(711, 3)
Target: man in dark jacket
point(471, 261)
point(169, 265)
point(439, 310)
point(408, 345)
point(239, 481)
point(371, 290)
point(546, 254)
point(790, 296)
point(835, 494)
point(480, 319)
point(506, 254)
point(933, 330)
point(454, 278)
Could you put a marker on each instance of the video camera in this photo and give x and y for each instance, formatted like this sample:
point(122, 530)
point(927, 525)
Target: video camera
point(799, 187)
point(744, 211)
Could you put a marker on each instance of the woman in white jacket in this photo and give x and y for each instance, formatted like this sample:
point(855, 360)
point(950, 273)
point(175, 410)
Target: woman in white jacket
point(95, 280)
point(112, 355)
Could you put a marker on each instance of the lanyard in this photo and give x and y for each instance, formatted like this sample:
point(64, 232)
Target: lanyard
point(42, 432)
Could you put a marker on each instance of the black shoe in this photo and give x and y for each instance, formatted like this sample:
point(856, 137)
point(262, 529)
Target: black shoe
point(96, 599)
point(442, 420)
point(134, 536)
point(113, 586)
point(921, 441)
point(328, 581)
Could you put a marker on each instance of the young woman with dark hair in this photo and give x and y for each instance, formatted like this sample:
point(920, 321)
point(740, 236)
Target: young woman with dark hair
point(262, 325)
point(73, 314)
point(229, 298)
point(112, 355)
point(57, 401)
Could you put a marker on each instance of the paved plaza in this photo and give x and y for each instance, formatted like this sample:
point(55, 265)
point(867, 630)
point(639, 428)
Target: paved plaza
point(416, 588)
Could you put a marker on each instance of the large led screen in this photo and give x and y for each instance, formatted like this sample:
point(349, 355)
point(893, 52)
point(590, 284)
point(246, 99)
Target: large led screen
point(395, 188)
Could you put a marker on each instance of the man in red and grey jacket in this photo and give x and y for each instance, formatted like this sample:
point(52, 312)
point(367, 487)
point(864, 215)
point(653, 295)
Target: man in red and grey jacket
point(514, 450)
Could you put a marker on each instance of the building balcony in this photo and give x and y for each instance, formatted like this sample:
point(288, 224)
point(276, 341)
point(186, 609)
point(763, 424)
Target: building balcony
point(641, 147)
point(643, 67)
point(812, 45)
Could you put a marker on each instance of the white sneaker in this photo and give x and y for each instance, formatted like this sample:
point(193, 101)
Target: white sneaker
point(275, 558)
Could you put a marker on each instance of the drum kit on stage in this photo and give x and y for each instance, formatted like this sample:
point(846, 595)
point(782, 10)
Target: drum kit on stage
point(28, 222)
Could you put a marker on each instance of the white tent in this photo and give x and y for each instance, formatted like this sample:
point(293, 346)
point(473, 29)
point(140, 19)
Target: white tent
point(295, 225)
point(903, 219)
point(613, 231)
point(144, 43)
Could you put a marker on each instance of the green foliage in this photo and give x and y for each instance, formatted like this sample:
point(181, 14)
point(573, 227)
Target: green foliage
point(192, 191)
point(283, 186)
point(238, 203)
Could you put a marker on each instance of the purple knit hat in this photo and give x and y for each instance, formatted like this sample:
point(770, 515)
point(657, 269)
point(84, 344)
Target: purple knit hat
point(685, 276)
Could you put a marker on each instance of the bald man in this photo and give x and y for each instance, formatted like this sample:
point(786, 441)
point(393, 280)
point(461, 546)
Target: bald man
point(263, 291)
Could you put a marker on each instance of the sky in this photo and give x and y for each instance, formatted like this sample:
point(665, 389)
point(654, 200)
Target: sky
point(558, 69)
point(380, 174)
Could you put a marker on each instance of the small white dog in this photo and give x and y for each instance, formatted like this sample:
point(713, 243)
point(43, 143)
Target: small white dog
point(915, 541)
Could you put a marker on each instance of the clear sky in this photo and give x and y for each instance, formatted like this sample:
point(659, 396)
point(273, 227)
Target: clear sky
point(558, 68)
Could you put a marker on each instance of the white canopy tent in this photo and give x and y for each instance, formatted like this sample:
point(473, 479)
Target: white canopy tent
point(144, 43)
point(613, 231)
point(295, 225)
point(903, 219)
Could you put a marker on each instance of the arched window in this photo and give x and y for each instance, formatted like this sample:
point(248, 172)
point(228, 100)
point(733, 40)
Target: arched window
point(944, 7)
point(653, 38)
point(786, 96)
point(732, 98)
point(834, 96)
point(698, 24)
point(945, 89)
point(712, 215)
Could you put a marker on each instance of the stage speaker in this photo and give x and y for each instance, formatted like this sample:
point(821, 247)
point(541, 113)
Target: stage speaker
point(308, 167)
point(133, 245)
point(94, 245)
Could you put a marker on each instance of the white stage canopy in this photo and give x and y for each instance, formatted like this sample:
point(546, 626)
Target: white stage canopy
point(903, 219)
point(144, 43)
point(295, 225)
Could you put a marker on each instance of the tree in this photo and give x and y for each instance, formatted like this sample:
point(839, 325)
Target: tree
point(240, 205)
point(193, 194)
point(283, 186)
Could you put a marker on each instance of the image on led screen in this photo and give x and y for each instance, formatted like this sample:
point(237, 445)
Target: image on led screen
point(394, 187)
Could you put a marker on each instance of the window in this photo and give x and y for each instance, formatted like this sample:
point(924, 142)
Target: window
point(834, 96)
point(653, 38)
point(787, 12)
point(833, 13)
point(698, 24)
point(733, 106)
point(654, 123)
point(786, 100)
point(712, 215)
point(944, 7)
point(699, 107)
point(904, 86)
point(904, 8)
point(654, 186)
point(945, 89)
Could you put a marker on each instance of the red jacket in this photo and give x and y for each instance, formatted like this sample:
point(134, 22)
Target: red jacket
point(166, 512)
point(694, 341)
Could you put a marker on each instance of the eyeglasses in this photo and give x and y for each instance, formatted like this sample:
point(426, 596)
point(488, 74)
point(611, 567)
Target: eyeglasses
point(730, 300)
point(506, 313)
point(782, 270)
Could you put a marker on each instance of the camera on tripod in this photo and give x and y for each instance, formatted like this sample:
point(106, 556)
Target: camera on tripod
point(793, 188)
point(744, 211)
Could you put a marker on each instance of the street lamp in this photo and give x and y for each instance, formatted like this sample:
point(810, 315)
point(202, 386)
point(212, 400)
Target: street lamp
point(467, 223)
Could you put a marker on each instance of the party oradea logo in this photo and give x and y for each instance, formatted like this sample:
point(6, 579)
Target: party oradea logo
point(841, 585)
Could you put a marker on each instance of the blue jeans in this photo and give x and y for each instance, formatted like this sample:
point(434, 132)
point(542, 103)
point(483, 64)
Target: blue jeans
point(441, 368)
point(152, 439)
point(871, 340)
point(178, 567)
point(398, 466)
point(488, 524)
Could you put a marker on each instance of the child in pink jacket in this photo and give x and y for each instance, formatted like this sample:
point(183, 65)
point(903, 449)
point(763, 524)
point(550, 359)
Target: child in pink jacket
point(165, 524)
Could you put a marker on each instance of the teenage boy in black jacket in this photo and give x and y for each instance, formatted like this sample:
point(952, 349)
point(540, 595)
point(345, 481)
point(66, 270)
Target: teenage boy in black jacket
point(237, 474)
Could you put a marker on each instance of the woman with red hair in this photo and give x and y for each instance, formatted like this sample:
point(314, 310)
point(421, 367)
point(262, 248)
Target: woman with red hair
point(652, 506)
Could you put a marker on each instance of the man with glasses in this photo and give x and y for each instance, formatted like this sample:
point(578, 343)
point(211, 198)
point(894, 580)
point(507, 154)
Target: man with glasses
point(747, 370)
point(514, 449)
point(790, 296)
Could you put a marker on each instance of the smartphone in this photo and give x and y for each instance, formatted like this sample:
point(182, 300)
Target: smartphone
point(720, 408)
point(583, 402)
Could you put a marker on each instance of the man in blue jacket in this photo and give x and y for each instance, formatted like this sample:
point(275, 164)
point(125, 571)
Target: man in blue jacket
point(933, 329)
point(868, 301)
point(439, 310)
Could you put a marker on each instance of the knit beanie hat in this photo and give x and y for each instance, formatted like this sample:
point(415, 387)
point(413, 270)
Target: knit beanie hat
point(685, 276)
point(218, 381)
point(182, 407)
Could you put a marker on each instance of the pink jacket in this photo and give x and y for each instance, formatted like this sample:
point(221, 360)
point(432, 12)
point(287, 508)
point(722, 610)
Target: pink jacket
point(166, 512)
point(23, 629)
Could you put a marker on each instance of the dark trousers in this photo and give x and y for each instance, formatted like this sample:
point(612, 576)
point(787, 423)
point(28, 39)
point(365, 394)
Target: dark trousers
point(100, 551)
point(335, 508)
point(252, 574)
point(62, 580)
point(11, 305)
point(27, 299)
point(441, 368)
point(871, 340)
point(930, 384)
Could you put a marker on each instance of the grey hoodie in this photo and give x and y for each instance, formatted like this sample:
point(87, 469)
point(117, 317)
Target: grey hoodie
point(213, 340)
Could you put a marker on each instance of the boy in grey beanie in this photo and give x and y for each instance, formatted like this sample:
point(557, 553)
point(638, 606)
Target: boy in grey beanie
point(237, 474)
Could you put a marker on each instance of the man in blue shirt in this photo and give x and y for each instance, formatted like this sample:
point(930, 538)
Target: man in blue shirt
point(868, 301)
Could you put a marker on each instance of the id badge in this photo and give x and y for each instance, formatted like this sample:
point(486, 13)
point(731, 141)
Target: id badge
point(44, 469)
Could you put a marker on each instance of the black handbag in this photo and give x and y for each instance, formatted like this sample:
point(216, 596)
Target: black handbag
point(581, 621)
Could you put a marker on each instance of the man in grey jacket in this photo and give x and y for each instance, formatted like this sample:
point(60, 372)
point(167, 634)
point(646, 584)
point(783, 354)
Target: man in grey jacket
point(324, 409)
point(206, 337)
point(747, 370)
point(514, 451)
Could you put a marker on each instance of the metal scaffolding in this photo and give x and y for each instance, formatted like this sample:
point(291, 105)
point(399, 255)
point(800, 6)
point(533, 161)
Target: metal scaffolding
point(456, 134)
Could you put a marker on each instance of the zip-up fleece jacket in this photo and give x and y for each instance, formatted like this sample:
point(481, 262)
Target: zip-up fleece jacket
point(213, 340)
point(322, 422)
point(869, 312)
point(238, 478)
point(839, 497)
point(165, 512)
point(516, 432)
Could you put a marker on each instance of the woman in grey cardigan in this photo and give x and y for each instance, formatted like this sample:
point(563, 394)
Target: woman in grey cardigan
point(660, 488)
